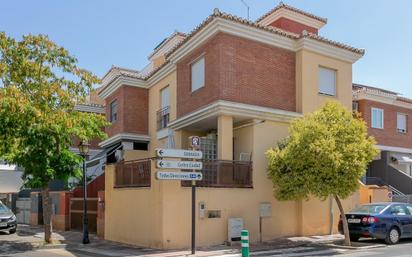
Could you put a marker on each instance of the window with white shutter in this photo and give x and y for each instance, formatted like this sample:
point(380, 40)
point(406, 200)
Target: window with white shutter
point(164, 95)
point(198, 74)
point(327, 81)
point(402, 123)
point(377, 118)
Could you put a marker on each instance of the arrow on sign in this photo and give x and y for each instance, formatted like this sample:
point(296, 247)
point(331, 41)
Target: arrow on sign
point(167, 175)
point(185, 165)
point(179, 153)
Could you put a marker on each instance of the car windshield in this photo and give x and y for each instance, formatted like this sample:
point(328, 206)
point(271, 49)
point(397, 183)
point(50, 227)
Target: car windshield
point(3, 209)
point(369, 209)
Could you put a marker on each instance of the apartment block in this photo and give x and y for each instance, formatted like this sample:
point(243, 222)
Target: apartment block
point(237, 84)
point(387, 114)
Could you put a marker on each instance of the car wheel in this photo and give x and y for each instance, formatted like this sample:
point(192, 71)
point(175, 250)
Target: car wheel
point(393, 236)
point(354, 238)
point(12, 231)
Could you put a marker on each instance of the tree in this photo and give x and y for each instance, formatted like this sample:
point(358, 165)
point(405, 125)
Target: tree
point(40, 84)
point(326, 154)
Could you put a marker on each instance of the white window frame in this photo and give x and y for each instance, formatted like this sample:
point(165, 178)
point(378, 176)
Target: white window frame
point(200, 81)
point(320, 88)
point(383, 118)
point(402, 130)
point(163, 103)
point(114, 114)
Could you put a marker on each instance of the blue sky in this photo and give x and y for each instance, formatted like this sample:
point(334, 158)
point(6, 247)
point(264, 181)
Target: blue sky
point(123, 32)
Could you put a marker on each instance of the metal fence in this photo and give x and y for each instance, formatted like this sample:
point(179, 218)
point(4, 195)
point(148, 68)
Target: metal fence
point(402, 198)
point(133, 173)
point(229, 174)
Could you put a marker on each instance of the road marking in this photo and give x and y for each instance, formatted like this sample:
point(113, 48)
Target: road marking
point(284, 250)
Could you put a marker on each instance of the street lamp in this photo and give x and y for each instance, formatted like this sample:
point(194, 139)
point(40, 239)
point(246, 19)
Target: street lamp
point(84, 150)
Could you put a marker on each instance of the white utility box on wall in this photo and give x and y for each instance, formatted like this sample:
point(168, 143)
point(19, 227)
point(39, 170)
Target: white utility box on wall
point(234, 229)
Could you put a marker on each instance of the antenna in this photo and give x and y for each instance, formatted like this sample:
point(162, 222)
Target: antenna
point(248, 8)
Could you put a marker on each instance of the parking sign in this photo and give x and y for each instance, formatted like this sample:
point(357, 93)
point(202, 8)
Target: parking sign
point(195, 141)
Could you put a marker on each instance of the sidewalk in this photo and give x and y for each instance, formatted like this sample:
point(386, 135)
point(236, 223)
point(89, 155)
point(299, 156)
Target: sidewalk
point(71, 241)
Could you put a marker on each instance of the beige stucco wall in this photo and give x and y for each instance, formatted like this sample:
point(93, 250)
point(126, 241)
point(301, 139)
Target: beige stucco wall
point(308, 98)
point(373, 194)
point(132, 215)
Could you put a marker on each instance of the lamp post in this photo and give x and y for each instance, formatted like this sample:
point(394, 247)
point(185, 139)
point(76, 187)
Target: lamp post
point(84, 150)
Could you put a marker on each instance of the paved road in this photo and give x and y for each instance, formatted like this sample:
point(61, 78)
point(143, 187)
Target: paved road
point(21, 245)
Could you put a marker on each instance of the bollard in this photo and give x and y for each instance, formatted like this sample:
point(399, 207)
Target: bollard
point(244, 237)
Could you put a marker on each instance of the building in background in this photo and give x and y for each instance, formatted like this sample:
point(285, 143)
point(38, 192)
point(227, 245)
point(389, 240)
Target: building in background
point(10, 181)
point(387, 115)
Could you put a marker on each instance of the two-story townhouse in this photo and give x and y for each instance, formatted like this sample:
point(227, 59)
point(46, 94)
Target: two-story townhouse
point(387, 115)
point(237, 84)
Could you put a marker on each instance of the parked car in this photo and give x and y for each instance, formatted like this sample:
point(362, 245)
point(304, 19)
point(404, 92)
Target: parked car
point(387, 221)
point(8, 220)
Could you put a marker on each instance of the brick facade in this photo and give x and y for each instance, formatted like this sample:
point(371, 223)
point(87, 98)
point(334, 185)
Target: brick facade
point(292, 26)
point(132, 111)
point(239, 70)
point(388, 136)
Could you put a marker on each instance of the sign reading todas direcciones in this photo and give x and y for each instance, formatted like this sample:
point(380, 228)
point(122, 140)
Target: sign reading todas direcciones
point(168, 175)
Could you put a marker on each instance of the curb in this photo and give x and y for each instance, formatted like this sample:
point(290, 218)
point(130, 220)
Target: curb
point(358, 247)
point(332, 245)
point(37, 246)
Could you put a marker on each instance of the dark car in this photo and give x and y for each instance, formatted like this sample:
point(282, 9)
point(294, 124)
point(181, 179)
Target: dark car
point(388, 221)
point(8, 220)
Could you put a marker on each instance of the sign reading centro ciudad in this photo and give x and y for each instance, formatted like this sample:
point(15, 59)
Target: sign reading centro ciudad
point(188, 165)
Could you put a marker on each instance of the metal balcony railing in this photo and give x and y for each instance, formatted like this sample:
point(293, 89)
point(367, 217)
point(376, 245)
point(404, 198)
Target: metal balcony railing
point(133, 173)
point(162, 118)
point(225, 174)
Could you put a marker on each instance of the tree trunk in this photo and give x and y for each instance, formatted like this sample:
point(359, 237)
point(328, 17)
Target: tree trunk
point(47, 215)
point(344, 221)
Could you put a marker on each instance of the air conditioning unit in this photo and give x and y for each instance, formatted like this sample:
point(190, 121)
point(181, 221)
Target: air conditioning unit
point(401, 130)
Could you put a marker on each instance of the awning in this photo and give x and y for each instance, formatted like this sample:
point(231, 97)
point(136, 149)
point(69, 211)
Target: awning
point(402, 159)
point(96, 159)
point(10, 181)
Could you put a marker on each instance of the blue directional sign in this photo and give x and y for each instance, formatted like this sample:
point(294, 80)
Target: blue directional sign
point(170, 175)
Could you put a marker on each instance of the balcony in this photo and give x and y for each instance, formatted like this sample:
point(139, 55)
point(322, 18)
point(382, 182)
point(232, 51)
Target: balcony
point(225, 174)
point(132, 174)
point(163, 117)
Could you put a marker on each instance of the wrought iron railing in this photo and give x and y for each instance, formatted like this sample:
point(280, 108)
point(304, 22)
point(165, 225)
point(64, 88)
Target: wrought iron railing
point(163, 118)
point(133, 173)
point(226, 174)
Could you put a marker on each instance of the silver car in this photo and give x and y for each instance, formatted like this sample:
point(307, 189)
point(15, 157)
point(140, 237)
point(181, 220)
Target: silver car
point(8, 220)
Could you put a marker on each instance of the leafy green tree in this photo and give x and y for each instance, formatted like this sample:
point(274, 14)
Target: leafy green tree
point(40, 84)
point(326, 154)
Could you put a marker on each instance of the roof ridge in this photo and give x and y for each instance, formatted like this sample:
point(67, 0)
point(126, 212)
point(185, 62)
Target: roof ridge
point(286, 6)
point(218, 14)
point(306, 34)
point(165, 41)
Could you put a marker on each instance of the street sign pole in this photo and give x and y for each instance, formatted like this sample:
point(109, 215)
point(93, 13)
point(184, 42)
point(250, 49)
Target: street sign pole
point(193, 216)
point(195, 142)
